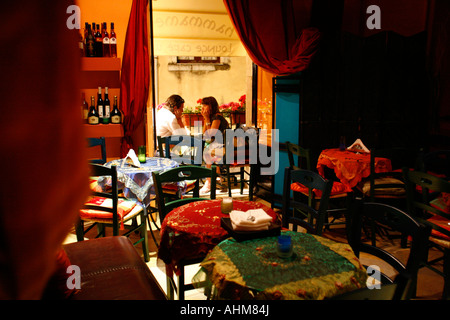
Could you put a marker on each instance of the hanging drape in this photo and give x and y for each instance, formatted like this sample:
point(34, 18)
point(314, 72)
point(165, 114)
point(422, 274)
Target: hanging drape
point(135, 76)
point(275, 33)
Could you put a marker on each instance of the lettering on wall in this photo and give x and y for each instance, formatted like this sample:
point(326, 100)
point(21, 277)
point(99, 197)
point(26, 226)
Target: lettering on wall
point(374, 20)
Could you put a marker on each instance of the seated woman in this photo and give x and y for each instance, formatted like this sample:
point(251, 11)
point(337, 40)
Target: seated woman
point(214, 125)
point(168, 118)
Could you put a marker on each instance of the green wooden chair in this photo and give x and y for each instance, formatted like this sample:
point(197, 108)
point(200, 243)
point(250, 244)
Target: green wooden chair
point(182, 173)
point(299, 213)
point(432, 210)
point(396, 220)
point(299, 158)
point(118, 214)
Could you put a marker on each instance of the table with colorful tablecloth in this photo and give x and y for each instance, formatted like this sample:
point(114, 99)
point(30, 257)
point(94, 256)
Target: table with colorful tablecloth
point(137, 182)
point(350, 167)
point(319, 268)
point(192, 230)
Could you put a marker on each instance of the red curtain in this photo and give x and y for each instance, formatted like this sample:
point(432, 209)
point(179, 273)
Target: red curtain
point(135, 76)
point(275, 33)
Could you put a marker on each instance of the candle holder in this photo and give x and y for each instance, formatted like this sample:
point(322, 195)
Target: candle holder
point(226, 205)
point(142, 154)
point(284, 247)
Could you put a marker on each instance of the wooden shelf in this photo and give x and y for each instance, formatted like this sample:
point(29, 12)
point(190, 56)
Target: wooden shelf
point(103, 130)
point(100, 64)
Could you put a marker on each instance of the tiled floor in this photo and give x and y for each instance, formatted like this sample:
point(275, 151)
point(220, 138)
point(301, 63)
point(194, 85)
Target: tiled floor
point(429, 287)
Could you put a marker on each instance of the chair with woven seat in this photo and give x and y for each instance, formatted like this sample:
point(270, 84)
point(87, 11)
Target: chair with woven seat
point(338, 190)
point(106, 209)
point(434, 211)
point(241, 152)
point(175, 175)
point(299, 213)
point(100, 143)
point(396, 219)
point(388, 186)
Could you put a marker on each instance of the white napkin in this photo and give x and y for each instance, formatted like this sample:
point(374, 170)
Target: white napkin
point(358, 146)
point(251, 220)
point(132, 155)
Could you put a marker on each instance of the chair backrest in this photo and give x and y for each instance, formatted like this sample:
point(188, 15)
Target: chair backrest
point(436, 162)
point(315, 217)
point(182, 148)
point(94, 142)
point(396, 220)
point(303, 156)
point(393, 180)
point(429, 201)
point(97, 170)
point(242, 145)
point(182, 173)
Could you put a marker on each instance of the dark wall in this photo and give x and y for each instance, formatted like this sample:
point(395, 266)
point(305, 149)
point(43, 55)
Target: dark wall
point(372, 88)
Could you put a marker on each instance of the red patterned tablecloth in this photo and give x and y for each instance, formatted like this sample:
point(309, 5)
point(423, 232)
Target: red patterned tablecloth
point(192, 230)
point(350, 167)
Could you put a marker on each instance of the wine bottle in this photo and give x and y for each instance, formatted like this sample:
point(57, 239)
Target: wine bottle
point(100, 104)
point(89, 41)
point(93, 114)
point(116, 117)
point(98, 43)
point(106, 108)
point(84, 108)
point(81, 44)
point(105, 39)
point(112, 42)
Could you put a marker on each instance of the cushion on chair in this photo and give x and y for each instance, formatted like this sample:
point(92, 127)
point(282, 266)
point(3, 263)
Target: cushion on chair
point(385, 191)
point(173, 188)
point(125, 209)
point(337, 189)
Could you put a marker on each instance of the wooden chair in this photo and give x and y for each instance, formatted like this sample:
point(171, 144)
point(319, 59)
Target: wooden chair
point(192, 146)
point(100, 142)
point(396, 220)
point(434, 212)
point(337, 193)
point(311, 219)
point(107, 209)
point(240, 149)
point(181, 173)
point(388, 187)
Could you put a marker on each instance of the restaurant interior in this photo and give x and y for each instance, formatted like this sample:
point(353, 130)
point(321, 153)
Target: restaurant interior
point(338, 183)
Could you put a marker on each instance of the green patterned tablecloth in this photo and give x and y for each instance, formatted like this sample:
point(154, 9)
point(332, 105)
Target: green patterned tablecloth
point(320, 268)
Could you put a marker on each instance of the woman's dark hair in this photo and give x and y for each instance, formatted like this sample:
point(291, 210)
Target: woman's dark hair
point(174, 101)
point(212, 102)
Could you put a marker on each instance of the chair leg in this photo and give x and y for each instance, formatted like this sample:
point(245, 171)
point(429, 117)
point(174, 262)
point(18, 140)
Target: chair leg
point(144, 235)
point(228, 180)
point(181, 284)
point(79, 230)
point(242, 182)
point(446, 292)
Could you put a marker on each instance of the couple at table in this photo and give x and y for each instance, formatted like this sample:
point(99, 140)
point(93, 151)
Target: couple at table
point(169, 122)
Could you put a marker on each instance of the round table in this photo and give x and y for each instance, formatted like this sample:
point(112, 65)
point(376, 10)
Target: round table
point(319, 268)
point(137, 182)
point(350, 167)
point(192, 230)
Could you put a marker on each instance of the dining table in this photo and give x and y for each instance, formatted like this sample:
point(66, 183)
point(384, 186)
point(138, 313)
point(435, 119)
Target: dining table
point(193, 229)
point(137, 181)
point(349, 166)
point(319, 268)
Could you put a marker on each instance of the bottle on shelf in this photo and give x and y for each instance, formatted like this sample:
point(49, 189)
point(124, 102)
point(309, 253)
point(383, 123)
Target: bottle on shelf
point(100, 104)
point(84, 108)
point(81, 44)
point(93, 114)
point(89, 43)
point(116, 117)
point(105, 39)
point(106, 108)
point(98, 42)
point(112, 42)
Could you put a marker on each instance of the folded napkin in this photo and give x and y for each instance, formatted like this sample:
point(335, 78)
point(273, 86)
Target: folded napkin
point(358, 146)
point(133, 157)
point(251, 220)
